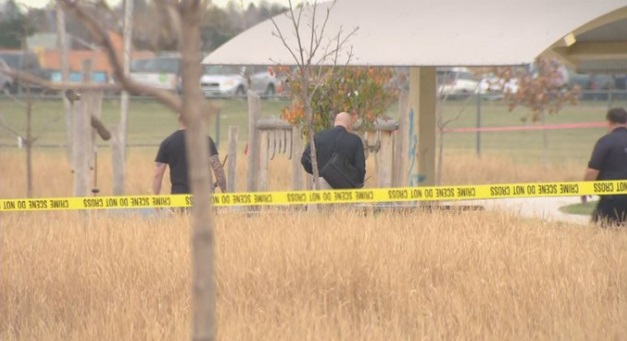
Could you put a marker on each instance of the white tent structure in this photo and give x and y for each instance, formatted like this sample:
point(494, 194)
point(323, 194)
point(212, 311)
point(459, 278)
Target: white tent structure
point(425, 34)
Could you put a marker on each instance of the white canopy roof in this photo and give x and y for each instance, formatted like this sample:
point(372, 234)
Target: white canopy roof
point(427, 32)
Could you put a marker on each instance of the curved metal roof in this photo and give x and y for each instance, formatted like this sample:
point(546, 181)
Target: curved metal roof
point(431, 32)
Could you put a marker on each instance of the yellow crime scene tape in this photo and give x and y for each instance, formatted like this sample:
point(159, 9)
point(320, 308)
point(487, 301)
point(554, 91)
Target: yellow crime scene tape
point(376, 195)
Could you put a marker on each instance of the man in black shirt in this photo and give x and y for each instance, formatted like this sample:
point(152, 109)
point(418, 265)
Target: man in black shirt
point(172, 153)
point(348, 145)
point(609, 162)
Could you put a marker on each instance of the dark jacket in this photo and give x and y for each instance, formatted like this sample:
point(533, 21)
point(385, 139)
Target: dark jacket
point(347, 144)
point(609, 156)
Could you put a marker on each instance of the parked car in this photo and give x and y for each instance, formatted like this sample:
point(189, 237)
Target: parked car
point(25, 62)
point(263, 81)
point(456, 82)
point(220, 81)
point(450, 81)
point(163, 72)
point(494, 86)
point(227, 81)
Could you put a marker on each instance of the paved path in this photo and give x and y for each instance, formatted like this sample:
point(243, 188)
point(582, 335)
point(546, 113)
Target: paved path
point(543, 208)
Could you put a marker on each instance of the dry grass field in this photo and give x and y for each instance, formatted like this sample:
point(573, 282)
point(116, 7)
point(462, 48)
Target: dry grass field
point(297, 276)
point(340, 276)
point(52, 174)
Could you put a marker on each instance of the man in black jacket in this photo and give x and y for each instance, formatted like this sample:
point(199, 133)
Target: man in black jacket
point(609, 162)
point(347, 144)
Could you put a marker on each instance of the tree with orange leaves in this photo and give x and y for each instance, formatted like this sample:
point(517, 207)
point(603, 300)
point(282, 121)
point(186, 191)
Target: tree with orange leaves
point(360, 91)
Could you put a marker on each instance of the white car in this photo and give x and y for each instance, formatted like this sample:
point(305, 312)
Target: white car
point(228, 81)
point(454, 82)
point(492, 85)
point(163, 72)
point(220, 81)
point(263, 81)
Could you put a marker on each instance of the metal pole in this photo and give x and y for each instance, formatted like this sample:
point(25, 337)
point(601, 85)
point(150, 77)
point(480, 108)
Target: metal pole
point(478, 124)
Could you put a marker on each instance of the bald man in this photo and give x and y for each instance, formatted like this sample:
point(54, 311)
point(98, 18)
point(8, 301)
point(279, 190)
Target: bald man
point(340, 139)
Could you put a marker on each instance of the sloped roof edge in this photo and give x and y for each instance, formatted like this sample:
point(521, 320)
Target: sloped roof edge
point(423, 32)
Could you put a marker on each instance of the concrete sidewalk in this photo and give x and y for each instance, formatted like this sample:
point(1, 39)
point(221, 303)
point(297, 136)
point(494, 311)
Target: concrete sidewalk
point(543, 208)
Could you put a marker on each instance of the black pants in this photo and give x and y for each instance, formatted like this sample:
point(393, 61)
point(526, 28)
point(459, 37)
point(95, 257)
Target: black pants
point(611, 211)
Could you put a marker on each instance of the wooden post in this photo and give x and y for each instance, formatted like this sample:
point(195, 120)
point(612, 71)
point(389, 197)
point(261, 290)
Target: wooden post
point(81, 138)
point(263, 161)
point(117, 154)
point(232, 174)
point(384, 158)
point(93, 107)
point(94, 112)
point(295, 153)
point(271, 143)
point(254, 109)
point(427, 125)
point(400, 143)
point(371, 151)
point(421, 137)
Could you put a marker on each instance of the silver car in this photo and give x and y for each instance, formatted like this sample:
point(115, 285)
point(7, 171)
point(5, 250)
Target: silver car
point(228, 81)
point(262, 81)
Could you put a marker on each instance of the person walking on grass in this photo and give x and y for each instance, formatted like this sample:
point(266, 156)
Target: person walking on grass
point(338, 140)
point(172, 153)
point(609, 162)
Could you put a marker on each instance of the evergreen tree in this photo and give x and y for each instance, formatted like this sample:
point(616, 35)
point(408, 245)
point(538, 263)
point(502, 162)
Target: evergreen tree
point(14, 26)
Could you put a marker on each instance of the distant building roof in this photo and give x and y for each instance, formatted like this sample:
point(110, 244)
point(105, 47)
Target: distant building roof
point(48, 41)
point(45, 46)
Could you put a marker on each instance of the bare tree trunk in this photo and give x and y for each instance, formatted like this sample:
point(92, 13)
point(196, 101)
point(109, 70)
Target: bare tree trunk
point(310, 131)
point(65, 71)
point(203, 293)
point(296, 150)
point(438, 179)
point(192, 108)
point(120, 162)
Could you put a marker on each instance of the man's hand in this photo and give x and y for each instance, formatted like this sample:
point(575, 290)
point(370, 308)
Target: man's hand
point(590, 175)
point(158, 177)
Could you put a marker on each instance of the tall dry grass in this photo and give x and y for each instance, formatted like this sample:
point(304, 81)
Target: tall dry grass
point(53, 175)
point(340, 276)
point(297, 276)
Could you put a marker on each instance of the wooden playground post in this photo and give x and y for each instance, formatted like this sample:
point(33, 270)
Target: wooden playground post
point(81, 138)
point(232, 162)
point(254, 109)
